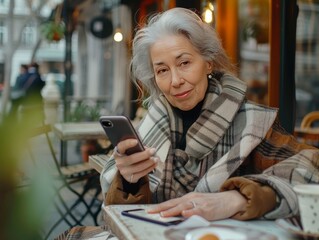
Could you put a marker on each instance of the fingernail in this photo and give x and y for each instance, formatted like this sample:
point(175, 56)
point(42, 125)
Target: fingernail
point(149, 209)
point(133, 141)
point(155, 159)
point(152, 151)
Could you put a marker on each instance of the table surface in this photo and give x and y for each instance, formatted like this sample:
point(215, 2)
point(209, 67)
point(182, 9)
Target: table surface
point(130, 228)
point(76, 131)
point(79, 131)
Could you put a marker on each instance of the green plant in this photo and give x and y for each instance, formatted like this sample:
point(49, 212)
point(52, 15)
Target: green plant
point(23, 210)
point(52, 30)
point(85, 112)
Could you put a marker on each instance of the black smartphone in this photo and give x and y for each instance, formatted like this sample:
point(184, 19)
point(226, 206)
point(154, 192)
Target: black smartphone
point(119, 128)
point(141, 214)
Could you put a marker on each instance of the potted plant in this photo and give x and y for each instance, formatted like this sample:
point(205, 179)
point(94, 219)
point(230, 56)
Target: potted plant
point(83, 112)
point(53, 30)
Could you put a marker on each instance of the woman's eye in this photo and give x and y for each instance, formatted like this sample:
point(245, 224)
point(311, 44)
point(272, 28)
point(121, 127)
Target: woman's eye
point(184, 63)
point(161, 71)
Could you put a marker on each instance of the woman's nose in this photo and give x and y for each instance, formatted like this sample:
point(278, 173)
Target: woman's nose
point(176, 79)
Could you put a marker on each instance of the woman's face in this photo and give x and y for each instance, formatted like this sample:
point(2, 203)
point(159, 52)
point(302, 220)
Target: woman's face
point(180, 71)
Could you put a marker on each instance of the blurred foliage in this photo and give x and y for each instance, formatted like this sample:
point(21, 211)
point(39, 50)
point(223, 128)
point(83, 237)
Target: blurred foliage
point(54, 28)
point(23, 209)
point(85, 112)
point(52, 31)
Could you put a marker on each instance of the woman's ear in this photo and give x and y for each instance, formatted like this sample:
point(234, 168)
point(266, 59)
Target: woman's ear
point(209, 67)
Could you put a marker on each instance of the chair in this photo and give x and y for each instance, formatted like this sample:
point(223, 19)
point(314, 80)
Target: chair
point(309, 120)
point(309, 130)
point(80, 180)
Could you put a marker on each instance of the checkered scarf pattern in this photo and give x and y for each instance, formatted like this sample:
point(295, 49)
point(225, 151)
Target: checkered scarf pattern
point(228, 131)
point(217, 143)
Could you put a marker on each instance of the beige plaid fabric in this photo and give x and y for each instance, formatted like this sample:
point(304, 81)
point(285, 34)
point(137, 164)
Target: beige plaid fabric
point(87, 233)
point(228, 131)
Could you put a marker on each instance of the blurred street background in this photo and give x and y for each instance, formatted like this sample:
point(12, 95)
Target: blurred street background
point(71, 59)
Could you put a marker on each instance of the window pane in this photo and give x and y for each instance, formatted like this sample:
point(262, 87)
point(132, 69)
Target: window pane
point(28, 35)
point(307, 58)
point(2, 33)
point(254, 48)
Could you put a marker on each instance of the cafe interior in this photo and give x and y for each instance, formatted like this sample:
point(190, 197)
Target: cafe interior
point(274, 44)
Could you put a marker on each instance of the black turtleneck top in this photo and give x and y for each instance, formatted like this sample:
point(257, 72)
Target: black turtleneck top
point(188, 117)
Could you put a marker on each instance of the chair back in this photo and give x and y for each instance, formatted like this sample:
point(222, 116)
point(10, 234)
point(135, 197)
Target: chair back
point(309, 129)
point(44, 131)
point(309, 119)
point(77, 189)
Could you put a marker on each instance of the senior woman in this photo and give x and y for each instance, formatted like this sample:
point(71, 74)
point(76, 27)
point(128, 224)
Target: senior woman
point(209, 151)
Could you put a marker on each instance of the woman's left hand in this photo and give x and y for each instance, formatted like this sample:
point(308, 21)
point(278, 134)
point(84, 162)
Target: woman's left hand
point(211, 206)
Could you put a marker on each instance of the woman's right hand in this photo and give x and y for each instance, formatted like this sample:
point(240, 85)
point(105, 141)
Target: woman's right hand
point(135, 166)
point(211, 206)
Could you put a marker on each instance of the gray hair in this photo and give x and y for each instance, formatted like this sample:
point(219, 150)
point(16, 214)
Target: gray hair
point(174, 22)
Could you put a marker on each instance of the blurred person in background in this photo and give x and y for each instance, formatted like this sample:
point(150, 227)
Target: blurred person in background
point(22, 77)
point(27, 90)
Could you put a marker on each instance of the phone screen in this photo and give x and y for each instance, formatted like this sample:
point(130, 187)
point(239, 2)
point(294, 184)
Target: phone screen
point(141, 214)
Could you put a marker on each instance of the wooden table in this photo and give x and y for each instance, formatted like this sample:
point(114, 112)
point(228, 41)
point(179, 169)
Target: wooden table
point(76, 131)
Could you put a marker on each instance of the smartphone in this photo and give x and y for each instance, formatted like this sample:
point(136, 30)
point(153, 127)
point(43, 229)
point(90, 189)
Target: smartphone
point(141, 214)
point(119, 128)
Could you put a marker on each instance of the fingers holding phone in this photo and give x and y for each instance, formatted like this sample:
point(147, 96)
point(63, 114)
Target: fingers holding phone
point(133, 167)
point(132, 159)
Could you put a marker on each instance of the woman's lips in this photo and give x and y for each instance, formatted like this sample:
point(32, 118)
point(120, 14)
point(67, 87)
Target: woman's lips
point(183, 94)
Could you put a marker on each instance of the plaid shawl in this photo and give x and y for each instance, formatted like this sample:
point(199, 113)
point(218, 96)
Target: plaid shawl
point(281, 162)
point(217, 143)
point(225, 134)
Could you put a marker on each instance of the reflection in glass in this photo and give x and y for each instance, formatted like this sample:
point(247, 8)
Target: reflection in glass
point(307, 58)
point(254, 47)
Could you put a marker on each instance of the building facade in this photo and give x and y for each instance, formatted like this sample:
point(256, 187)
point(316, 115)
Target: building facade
point(99, 65)
point(49, 55)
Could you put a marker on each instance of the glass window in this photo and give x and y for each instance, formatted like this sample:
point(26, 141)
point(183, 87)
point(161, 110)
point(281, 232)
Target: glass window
point(2, 33)
point(244, 28)
point(28, 35)
point(254, 48)
point(307, 58)
point(1, 75)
